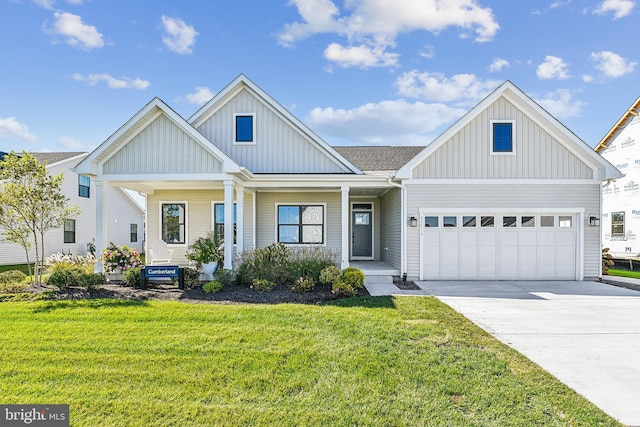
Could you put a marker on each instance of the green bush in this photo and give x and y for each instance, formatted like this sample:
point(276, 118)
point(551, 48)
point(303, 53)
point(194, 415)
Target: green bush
point(191, 277)
point(91, 281)
point(353, 276)
point(132, 277)
point(262, 285)
point(303, 284)
point(63, 277)
point(225, 276)
point(271, 263)
point(330, 274)
point(212, 286)
point(343, 289)
point(11, 277)
point(309, 261)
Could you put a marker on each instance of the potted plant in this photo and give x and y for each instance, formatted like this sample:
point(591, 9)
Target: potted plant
point(207, 252)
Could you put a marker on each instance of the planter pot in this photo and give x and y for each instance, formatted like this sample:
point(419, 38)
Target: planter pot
point(209, 268)
point(115, 277)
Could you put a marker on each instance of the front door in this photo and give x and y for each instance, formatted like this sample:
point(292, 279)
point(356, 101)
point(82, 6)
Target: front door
point(362, 234)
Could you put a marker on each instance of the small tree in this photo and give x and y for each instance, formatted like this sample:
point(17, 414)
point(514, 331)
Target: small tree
point(32, 202)
point(16, 231)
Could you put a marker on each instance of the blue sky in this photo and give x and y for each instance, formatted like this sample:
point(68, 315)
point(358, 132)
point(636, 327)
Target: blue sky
point(356, 71)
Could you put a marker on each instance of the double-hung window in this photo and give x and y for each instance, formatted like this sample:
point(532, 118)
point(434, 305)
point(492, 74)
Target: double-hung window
point(174, 222)
point(218, 220)
point(84, 185)
point(133, 231)
point(301, 224)
point(70, 231)
point(617, 224)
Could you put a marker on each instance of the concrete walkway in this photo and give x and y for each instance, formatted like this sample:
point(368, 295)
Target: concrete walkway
point(586, 334)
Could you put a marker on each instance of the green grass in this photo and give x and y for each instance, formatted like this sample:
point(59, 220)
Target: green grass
point(624, 273)
point(402, 361)
point(21, 267)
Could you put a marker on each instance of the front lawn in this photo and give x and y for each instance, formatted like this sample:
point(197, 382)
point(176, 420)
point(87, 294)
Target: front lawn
point(624, 273)
point(361, 361)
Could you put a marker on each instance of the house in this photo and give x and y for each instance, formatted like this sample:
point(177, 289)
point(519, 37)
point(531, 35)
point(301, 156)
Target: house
point(125, 215)
point(621, 197)
point(505, 193)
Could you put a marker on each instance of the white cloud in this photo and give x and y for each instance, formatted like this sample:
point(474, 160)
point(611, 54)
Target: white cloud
point(48, 4)
point(77, 33)
point(428, 51)
point(112, 82)
point(498, 64)
point(200, 96)
point(561, 104)
point(620, 8)
point(462, 89)
point(11, 128)
point(179, 37)
point(360, 56)
point(552, 68)
point(71, 143)
point(384, 123)
point(377, 23)
point(611, 64)
point(587, 78)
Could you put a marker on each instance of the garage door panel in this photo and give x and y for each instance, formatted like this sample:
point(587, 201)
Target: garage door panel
point(503, 253)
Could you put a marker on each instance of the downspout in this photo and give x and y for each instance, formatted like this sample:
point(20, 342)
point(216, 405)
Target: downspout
point(403, 224)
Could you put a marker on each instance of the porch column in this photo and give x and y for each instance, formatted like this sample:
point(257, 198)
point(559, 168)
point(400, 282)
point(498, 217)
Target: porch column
point(101, 225)
point(240, 219)
point(228, 224)
point(345, 227)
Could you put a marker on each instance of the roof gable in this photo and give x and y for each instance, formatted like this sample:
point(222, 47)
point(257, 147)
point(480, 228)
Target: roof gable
point(631, 115)
point(136, 138)
point(283, 144)
point(551, 150)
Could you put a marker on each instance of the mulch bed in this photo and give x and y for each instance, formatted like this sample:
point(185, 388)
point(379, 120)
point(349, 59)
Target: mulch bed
point(228, 295)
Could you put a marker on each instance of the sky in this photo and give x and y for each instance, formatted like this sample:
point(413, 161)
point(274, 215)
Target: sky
point(357, 72)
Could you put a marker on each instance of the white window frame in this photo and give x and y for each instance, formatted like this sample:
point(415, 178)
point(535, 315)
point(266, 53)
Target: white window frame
point(324, 223)
point(513, 137)
point(186, 221)
point(253, 128)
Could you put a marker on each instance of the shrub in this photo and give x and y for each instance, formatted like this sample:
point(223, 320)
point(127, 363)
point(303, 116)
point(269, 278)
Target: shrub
point(212, 286)
point(191, 277)
point(120, 258)
point(262, 285)
point(330, 274)
point(63, 277)
point(90, 281)
point(271, 263)
point(303, 284)
point(132, 277)
point(225, 276)
point(61, 261)
point(353, 276)
point(343, 289)
point(309, 261)
point(13, 282)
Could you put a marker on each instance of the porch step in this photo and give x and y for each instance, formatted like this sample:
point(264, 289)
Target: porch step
point(378, 280)
point(380, 285)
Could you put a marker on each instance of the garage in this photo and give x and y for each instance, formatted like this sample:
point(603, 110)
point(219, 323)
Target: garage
point(499, 246)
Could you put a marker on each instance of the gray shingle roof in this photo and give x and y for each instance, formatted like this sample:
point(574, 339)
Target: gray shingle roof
point(49, 158)
point(378, 158)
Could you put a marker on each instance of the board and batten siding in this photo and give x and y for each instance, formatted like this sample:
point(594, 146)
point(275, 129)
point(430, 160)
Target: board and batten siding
point(279, 146)
point(467, 154)
point(199, 216)
point(267, 215)
point(505, 196)
point(162, 148)
point(390, 229)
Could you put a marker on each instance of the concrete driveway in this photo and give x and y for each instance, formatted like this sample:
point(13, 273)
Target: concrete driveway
point(587, 334)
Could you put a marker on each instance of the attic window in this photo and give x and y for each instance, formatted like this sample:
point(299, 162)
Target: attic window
point(502, 137)
point(244, 129)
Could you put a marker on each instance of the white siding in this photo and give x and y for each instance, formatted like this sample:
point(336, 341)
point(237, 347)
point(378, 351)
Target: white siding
point(267, 214)
point(162, 147)
point(390, 229)
point(467, 154)
point(512, 196)
point(280, 147)
point(623, 194)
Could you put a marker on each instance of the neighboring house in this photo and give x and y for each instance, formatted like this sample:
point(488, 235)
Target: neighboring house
point(621, 197)
point(125, 216)
point(505, 193)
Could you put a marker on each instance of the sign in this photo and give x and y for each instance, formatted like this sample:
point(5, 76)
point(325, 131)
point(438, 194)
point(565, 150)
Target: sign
point(34, 415)
point(151, 271)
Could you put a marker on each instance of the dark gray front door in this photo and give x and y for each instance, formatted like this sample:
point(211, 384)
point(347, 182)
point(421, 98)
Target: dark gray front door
point(362, 234)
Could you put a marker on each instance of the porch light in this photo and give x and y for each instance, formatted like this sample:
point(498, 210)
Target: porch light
point(594, 221)
point(413, 221)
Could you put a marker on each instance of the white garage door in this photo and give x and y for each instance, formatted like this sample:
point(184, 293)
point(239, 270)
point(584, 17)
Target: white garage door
point(498, 246)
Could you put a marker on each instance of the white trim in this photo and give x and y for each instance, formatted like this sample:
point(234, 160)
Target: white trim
point(255, 220)
point(499, 210)
point(186, 221)
point(344, 225)
point(509, 181)
point(493, 122)
point(324, 222)
point(373, 233)
point(253, 128)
